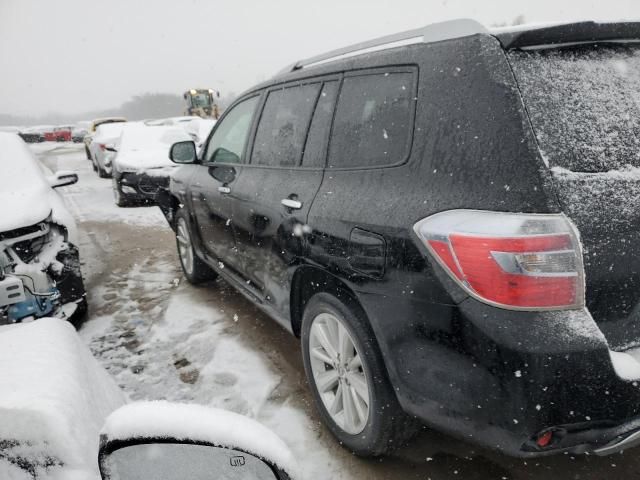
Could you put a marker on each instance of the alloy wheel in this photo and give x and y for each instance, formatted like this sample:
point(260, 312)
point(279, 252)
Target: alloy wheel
point(338, 373)
point(185, 249)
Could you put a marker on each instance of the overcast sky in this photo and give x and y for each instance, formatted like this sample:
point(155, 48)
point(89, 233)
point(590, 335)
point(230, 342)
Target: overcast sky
point(71, 56)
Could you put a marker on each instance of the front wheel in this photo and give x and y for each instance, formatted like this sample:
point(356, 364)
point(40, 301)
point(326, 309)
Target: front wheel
point(119, 197)
point(193, 267)
point(348, 378)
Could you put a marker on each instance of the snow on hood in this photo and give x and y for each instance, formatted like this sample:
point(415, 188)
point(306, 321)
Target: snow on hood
point(137, 160)
point(27, 198)
point(199, 423)
point(24, 195)
point(142, 147)
point(54, 396)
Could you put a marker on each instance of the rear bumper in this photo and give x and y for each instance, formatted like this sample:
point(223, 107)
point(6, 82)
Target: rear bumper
point(501, 378)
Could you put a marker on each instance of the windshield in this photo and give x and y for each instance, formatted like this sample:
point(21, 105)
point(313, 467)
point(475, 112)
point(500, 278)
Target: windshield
point(200, 100)
point(584, 104)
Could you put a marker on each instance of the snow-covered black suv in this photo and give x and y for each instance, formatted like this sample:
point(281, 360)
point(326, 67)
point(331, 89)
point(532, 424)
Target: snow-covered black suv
point(449, 219)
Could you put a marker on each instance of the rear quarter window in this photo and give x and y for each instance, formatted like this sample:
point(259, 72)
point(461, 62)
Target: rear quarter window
point(373, 122)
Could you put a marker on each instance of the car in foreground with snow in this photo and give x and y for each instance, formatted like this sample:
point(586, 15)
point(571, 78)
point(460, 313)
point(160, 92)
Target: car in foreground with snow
point(450, 226)
point(102, 147)
point(39, 261)
point(141, 167)
point(63, 417)
point(54, 400)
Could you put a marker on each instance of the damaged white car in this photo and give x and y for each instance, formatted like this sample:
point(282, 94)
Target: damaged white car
point(39, 261)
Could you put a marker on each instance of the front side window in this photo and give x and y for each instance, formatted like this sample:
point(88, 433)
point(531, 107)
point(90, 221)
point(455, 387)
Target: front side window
point(226, 145)
point(283, 126)
point(372, 125)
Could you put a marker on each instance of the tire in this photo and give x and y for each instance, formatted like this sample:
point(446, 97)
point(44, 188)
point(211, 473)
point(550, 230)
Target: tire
point(119, 197)
point(195, 270)
point(385, 426)
point(101, 172)
point(78, 317)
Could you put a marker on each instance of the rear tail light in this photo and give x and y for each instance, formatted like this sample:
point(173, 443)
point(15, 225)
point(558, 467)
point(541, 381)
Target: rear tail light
point(517, 261)
point(102, 146)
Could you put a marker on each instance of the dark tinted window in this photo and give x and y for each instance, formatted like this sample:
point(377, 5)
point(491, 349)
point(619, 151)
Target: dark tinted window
point(372, 123)
point(226, 145)
point(283, 126)
point(315, 150)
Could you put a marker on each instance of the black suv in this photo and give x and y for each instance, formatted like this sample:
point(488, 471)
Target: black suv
point(448, 219)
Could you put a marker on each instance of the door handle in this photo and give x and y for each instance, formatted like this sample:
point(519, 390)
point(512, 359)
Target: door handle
point(290, 203)
point(224, 189)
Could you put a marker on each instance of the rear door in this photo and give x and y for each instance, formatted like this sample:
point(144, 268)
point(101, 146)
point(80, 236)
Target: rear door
point(212, 188)
point(279, 184)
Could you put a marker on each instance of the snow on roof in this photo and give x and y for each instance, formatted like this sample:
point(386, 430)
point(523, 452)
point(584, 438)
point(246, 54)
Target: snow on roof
point(54, 395)
point(201, 424)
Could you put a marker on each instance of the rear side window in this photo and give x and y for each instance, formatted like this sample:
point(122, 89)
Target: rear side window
point(372, 125)
point(283, 126)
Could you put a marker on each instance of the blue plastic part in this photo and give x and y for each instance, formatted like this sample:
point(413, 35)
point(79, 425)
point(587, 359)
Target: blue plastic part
point(34, 306)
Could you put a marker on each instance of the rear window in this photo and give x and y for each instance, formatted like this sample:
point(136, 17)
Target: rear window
point(584, 105)
point(372, 125)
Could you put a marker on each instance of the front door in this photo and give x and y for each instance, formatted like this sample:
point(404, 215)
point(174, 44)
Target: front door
point(277, 188)
point(212, 187)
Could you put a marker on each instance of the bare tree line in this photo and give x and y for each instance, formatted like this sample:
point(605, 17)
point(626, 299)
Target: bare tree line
point(139, 107)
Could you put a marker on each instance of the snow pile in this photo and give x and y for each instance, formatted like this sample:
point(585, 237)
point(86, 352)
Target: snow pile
point(200, 424)
point(54, 397)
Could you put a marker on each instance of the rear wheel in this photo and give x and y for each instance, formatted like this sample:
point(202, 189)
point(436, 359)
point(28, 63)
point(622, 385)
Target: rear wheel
point(193, 267)
point(348, 378)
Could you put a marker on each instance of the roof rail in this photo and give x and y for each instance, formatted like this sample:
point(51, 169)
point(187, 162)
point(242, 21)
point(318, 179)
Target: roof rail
point(431, 33)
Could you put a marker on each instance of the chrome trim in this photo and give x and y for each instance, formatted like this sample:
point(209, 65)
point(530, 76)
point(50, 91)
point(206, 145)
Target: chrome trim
point(436, 32)
point(290, 203)
point(618, 445)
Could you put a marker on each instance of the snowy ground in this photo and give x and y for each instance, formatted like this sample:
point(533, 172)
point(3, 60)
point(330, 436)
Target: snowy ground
point(162, 338)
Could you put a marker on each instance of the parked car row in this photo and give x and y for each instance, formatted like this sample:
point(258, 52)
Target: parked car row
point(136, 154)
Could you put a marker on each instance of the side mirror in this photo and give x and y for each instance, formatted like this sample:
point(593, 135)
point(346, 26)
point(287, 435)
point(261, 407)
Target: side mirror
point(183, 152)
point(63, 178)
point(167, 441)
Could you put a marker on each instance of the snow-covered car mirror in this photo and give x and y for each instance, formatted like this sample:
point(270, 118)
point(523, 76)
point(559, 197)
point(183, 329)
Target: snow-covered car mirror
point(183, 152)
point(63, 178)
point(165, 441)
